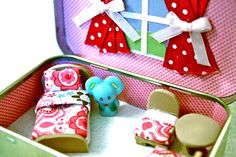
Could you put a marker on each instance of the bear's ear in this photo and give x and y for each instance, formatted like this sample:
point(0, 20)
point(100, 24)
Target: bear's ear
point(116, 83)
point(91, 83)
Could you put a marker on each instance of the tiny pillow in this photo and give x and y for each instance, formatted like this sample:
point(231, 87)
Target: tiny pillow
point(61, 79)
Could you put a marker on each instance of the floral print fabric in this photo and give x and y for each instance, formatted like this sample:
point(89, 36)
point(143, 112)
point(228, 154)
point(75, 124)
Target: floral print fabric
point(156, 126)
point(61, 80)
point(64, 107)
point(64, 119)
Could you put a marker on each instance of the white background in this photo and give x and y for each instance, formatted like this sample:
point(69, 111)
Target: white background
point(27, 37)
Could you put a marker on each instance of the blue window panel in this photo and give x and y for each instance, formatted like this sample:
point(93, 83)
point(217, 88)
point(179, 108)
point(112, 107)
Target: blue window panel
point(136, 24)
point(152, 7)
point(162, 9)
point(157, 8)
point(134, 6)
point(154, 27)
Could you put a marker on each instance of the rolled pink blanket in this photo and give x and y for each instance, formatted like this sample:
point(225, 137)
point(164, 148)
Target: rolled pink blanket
point(62, 113)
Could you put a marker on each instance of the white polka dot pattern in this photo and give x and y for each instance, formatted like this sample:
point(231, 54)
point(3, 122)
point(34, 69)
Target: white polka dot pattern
point(174, 46)
point(109, 44)
point(99, 34)
point(170, 62)
point(184, 53)
point(189, 40)
point(185, 11)
point(104, 22)
point(185, 69)
point(96, 25)
point(117, 29)
point(92, 37)
point(106, 35)
point(104, 50)
point(173, 5)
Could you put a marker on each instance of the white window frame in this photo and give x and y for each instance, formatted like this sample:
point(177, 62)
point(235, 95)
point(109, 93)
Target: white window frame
point(145, 19)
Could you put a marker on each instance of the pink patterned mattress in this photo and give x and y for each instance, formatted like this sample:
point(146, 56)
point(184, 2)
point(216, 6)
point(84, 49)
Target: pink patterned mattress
point(64, 107)
point(61, 119)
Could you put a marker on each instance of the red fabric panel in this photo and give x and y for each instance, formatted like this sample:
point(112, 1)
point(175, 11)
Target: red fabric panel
point(179, 53)
point(105, 34)
point(21, 99)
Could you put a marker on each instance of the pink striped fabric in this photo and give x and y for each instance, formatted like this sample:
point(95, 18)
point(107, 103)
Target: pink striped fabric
point(21, 99)
point(222, 40)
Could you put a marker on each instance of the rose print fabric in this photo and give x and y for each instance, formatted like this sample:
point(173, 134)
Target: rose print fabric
point(62, 119)
point(106, 35)
point(156, 126)
point(61, 80)
point(64, 107)
point(179, 53)
point(163, 152)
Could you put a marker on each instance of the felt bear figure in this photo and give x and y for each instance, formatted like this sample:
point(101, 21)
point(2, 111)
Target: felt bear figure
point(105, 92)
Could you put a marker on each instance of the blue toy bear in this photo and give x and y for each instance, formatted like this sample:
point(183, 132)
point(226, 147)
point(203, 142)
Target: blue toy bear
point(105, 92)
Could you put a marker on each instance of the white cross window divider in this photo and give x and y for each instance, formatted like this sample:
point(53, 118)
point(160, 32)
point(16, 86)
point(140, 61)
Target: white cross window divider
point(145, 19)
